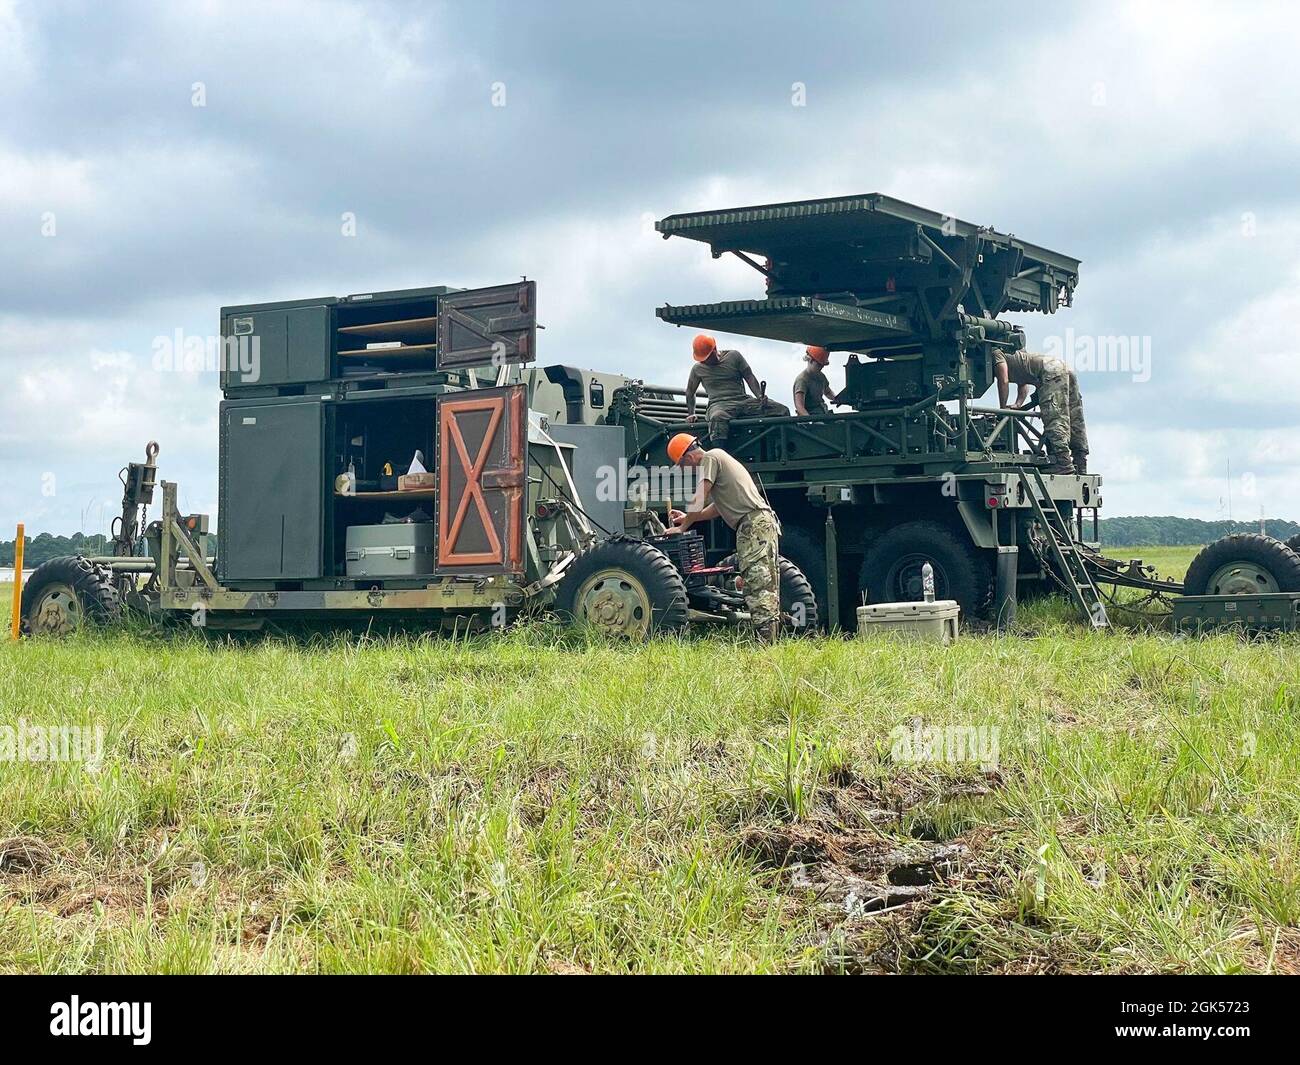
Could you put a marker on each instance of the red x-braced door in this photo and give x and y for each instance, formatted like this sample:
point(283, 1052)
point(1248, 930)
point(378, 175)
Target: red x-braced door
point(482, 449)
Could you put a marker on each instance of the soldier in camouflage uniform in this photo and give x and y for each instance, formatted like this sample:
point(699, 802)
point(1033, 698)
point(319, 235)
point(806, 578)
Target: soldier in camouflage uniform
point(1078, 427)
point(727, 491)
point(1064, 429)
point(724, 376)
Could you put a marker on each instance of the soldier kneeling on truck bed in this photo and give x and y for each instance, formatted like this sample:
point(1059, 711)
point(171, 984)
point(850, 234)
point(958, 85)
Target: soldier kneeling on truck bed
point(727, 491)
point(811, 389)
point(1064, 430)
point(724, 375)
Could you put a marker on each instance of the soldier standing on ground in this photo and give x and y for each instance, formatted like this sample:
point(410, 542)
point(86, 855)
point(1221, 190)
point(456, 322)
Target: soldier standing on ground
point(727, 491)
point(1064, 429)
point(724, 375)
point(811, 389)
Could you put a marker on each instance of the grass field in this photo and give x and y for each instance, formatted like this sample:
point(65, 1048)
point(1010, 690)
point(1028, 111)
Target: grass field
point(1052, 801)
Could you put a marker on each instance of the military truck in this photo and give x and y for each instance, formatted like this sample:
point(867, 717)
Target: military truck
point(327, 401)
point(919, 472)
point(916, 472)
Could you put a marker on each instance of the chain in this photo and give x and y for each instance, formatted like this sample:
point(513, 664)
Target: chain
point(1037, 546)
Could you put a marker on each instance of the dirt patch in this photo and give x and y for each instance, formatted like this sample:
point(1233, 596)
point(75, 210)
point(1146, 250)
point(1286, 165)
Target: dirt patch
point(564, 967)
point(854, 801)
point(853, 863)
point(64, 882)
point(540, 791)
point(24, 855)
point(852, 873)
point(1276, 951)
point(67, 901)
point(68, 880)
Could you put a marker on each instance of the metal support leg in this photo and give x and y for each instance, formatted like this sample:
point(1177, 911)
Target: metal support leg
point(832, 573)
point(1005, 597)
point(167, 560)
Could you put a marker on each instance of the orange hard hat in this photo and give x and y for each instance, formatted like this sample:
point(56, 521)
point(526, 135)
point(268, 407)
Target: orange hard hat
point(679, 445)
point(703, 346)
point(818, 355)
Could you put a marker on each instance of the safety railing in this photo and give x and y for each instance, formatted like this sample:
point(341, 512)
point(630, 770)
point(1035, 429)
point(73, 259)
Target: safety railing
point(918, 431)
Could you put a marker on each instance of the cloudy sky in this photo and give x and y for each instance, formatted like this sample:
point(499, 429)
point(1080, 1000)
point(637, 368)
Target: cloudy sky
point(160, 160)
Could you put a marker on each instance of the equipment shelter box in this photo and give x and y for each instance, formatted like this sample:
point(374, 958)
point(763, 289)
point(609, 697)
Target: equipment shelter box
point(285, 348)
point(325, 400)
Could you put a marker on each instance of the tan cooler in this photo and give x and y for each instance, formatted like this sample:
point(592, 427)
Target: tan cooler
point(934, 621)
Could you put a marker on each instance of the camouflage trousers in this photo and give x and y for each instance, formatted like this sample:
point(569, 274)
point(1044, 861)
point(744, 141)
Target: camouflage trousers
point(721, 412)
point(756, 556)
point(1064, 428)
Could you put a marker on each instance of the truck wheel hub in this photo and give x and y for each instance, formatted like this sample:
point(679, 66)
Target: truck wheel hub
point(1241, 578)
point(615, 603)
point(57, 612)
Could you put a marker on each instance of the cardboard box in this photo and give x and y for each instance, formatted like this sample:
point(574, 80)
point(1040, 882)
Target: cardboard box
point(409, 482)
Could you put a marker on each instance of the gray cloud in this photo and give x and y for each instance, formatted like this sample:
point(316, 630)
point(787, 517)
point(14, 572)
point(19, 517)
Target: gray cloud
point(1137, 138)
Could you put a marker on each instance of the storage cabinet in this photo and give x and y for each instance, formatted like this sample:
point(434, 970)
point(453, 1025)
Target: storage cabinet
point(272, 490)
point(288, 346)
point(355, 383)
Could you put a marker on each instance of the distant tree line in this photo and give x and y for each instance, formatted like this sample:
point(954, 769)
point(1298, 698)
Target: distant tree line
point(44, 547)
point(1182, 532)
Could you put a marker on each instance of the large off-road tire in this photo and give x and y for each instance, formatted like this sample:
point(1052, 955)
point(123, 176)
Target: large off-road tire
point(623, 588)
point(798, 600)
point(806, 551)
point(1243, 564)
point(800, 607)
point(1294, 543)
point(65, 594)
point(800, 612)
point(891, 570)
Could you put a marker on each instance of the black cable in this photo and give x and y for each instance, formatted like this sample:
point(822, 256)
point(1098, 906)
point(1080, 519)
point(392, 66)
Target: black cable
point(572, 502)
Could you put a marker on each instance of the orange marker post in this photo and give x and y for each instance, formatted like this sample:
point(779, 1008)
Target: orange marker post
point(16, 622)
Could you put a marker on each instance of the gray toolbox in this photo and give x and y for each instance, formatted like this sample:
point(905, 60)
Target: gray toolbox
point(394, 550)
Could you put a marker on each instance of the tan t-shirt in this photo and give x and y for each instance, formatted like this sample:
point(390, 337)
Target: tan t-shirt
point(734, 492)
point(815, 388)
point(725, 380)
point(1023, 367)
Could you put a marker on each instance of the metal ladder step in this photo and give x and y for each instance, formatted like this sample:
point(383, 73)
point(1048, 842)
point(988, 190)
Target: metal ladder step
point(1064, 552)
